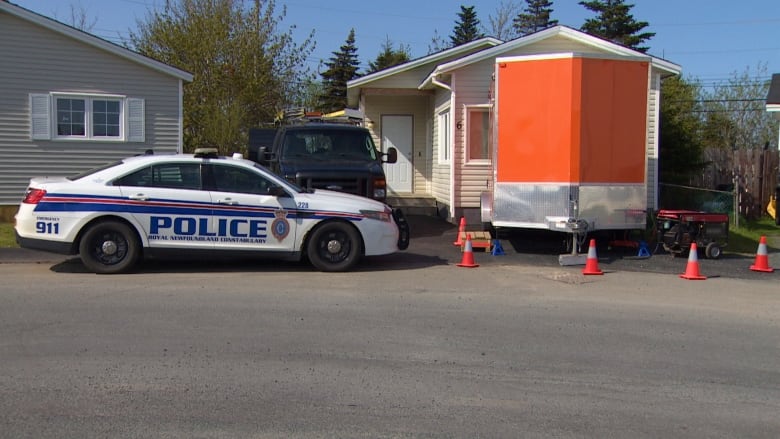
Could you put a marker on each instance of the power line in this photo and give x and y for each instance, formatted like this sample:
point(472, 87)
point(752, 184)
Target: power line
point(722, 23)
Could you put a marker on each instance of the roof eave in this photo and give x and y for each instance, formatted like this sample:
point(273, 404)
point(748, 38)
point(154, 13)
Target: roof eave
point(661, 64)
point(94, 41)
point(487, 42)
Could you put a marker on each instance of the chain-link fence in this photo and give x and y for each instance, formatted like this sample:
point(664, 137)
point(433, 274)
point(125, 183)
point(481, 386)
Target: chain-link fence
point(691, 198)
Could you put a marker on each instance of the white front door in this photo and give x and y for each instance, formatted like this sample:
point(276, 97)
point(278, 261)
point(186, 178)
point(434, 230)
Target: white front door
point(397, 133)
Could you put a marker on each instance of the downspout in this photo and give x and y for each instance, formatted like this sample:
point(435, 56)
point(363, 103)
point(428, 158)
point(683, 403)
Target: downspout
point(435, 81)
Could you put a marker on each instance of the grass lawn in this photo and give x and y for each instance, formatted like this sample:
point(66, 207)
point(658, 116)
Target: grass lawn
point(7, 235)
point(745, 238)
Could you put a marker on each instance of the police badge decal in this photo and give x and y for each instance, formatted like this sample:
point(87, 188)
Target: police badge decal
point(280, 227)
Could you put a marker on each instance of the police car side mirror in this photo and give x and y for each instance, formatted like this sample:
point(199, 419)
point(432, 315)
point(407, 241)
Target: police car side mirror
point(391, 156)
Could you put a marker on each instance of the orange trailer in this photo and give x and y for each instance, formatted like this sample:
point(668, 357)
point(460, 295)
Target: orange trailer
point(570, 144)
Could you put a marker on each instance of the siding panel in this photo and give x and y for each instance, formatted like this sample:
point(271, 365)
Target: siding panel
point(653, 118)
point(37, 60)
point(440, 182)
point(472, 85)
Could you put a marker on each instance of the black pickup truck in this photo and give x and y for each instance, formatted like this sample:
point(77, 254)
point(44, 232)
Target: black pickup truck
point(331, 156)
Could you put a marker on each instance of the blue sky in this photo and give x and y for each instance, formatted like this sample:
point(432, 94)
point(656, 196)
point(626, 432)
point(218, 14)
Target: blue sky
point(710, 39)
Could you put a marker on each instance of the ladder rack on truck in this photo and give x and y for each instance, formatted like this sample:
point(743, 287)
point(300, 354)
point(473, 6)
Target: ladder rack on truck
point(299, 115)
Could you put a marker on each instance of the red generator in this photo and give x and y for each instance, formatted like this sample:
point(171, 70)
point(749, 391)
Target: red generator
point(677, 229)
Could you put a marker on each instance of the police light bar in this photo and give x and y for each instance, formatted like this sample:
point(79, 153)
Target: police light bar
point(206, 152)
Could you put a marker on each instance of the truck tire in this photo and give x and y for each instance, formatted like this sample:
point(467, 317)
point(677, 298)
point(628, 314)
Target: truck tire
point(712, 250)
point(109, 247)
point(334, 246)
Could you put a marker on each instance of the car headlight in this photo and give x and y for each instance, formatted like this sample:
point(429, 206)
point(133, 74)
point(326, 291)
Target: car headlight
point(377, 215)
point(380, 194)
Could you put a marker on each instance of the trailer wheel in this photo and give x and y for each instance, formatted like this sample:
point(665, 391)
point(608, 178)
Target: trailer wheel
point(712, 251)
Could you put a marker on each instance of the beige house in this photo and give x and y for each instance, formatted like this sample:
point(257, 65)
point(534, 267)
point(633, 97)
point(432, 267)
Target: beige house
point(436, 111)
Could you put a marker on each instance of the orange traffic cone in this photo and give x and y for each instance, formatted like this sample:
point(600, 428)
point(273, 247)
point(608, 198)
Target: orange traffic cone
point(468, 255)
point(762, 258)
point(461, 229)
point(692, 270)
point(592, 263)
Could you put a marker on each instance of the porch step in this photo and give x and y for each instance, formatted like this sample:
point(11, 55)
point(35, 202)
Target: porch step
point(414, 205)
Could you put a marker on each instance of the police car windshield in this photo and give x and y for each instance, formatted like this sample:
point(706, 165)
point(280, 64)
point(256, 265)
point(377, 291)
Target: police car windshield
point(94, 170)
point(290, 185)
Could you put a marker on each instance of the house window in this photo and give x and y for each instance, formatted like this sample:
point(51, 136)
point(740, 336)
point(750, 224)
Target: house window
point(71, 117)
point(58, 116)
point(89, 117)
point(105, 118)
point(445, 136)
point(478, 126)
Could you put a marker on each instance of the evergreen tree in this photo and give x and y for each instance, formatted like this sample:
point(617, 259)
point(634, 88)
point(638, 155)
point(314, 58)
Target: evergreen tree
point(680, 142)
point(389, 57)
point(342, 67)
point(244, 68)
point(466, 27)
point(535, 17)
point(616, 24)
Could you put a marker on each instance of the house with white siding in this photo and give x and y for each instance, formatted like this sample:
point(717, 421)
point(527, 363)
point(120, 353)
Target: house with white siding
point(437, 112)
point(70, 101)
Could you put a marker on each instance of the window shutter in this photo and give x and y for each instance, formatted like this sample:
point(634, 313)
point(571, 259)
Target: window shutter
point(40, 119)
point(136, 131)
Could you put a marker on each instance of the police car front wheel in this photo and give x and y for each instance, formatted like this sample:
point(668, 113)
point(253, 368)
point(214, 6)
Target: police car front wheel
point(109, 247)
point(334, 246)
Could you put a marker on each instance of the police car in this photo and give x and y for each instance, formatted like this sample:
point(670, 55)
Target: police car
point(158, 205)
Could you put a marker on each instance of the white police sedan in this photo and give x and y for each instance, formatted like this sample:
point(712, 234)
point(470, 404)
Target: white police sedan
point(158, 205)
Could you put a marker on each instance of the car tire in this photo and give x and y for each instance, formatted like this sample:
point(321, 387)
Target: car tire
point(109, 247)
point(334, 246)
point(712, 251)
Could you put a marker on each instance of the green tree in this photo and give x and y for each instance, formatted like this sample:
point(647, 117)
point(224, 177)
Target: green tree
point(736, 117)
point(308, 94)
point(389, 57)
point(680, 143)
point(244, 67)
point(342, 67)
point(535, 17)
point(438, 43)
point(615, 23)
point(466, 27)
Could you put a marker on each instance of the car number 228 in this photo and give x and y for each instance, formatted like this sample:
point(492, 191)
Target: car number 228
point(201, 204)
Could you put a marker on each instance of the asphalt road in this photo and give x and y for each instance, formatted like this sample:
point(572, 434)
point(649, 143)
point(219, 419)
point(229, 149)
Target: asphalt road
point(407, 346)
point(432, 351)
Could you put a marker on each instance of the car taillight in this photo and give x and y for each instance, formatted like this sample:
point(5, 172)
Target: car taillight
point(33, 196)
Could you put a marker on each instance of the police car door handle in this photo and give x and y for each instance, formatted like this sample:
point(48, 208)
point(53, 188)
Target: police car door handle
point(141, 197)
point(228, 201)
